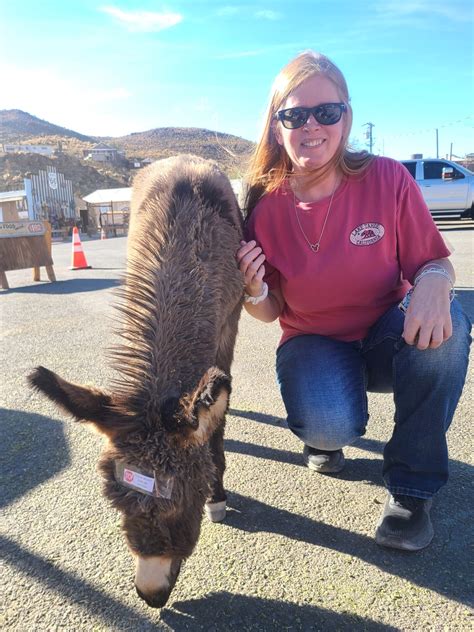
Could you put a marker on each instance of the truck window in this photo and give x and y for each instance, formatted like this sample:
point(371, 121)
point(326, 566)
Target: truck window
point(411, 167)
point(434, 170)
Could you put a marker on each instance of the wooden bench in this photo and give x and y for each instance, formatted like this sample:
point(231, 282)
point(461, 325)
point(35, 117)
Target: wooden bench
point(60, 234)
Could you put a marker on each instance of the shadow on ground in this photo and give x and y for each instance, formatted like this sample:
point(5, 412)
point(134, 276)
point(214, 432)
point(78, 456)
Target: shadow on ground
point(213, 613)
point(271, 420)
point(66, 287)
point(443, 567)
point(360, 469)
point(225, 611)
point(72, 587)
point(33, 450)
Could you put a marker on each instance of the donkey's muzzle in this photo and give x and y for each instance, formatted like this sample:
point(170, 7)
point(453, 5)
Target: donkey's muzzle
point(157, 600)
point(159, 597)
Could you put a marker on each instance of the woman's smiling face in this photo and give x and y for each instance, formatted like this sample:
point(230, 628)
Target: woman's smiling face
point(312, 145)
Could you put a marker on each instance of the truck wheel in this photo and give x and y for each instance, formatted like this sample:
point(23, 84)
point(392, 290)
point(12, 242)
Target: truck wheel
point(468, 213)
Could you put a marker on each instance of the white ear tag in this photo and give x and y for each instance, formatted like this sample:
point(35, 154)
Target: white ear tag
point(157, 485)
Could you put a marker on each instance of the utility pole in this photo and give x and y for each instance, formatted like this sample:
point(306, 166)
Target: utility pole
point(368, 135)
point(437, 150)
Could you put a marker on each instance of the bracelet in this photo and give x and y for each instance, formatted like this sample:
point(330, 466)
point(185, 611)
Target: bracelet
point(255, 300)
point(435, 269)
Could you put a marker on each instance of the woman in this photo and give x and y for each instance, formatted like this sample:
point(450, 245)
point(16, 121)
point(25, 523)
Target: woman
point(335, 241)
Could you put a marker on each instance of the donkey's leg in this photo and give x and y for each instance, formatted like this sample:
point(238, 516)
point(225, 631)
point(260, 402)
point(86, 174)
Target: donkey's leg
point(216, 505)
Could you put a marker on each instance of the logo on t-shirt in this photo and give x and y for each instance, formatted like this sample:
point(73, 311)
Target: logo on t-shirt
point(367, 234)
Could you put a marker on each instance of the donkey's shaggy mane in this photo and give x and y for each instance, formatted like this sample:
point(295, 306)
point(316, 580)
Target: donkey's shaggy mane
point(174, 298)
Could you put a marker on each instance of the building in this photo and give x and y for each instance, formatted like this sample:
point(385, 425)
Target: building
point(103, 153)
point(13, 206)
point(50, 197)
point(110, 209)
point(44, 150)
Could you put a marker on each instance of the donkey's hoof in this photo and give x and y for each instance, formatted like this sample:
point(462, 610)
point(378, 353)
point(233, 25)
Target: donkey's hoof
point(215, 511)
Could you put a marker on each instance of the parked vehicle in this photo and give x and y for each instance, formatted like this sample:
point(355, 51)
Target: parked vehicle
point(448, 188)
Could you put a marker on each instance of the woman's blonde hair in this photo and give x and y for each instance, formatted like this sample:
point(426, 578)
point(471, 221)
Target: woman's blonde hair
point(270, 164)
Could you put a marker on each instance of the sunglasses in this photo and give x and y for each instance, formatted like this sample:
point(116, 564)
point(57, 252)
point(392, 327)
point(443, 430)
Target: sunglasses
point(325, 114)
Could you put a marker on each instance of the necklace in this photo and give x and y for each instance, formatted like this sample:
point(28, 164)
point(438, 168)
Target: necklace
point(314, 247)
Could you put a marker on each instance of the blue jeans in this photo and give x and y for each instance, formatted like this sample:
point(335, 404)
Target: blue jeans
point(324, 384)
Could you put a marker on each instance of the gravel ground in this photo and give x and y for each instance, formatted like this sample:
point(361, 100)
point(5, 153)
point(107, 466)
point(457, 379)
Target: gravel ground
point(296, 551)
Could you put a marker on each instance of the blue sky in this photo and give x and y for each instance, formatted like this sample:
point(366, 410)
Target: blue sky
point(111, 68)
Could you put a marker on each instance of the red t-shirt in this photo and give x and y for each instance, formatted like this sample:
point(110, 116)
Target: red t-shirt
point(378, 234)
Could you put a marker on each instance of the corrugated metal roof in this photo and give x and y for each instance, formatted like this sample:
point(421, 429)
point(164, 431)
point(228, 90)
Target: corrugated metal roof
point(11, 196)
point(103, 146)
point(103, 196)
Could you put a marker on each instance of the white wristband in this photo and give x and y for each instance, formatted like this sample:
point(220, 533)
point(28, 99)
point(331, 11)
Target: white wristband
point(255, 300)
point(433, 270)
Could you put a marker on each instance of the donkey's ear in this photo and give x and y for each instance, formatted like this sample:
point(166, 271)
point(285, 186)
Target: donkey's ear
point(211, 404)
point(203, 411)
point(84, 403)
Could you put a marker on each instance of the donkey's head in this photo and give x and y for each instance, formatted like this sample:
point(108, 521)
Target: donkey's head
point(157, 467)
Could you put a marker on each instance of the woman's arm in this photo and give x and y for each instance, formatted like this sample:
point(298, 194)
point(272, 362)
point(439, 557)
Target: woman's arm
point(428, 319)
point(250, 258)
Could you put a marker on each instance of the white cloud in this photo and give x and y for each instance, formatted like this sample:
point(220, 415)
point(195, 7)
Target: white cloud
point(144, 21)
point(420, 10)
point(268, 15)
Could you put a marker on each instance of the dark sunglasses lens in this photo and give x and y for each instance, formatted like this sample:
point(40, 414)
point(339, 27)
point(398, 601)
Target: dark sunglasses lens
point(329, 113)
point(326, 114)
point(294, 117)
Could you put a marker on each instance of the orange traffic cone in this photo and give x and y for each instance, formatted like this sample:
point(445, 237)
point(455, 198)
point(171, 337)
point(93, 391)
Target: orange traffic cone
point(78, 257)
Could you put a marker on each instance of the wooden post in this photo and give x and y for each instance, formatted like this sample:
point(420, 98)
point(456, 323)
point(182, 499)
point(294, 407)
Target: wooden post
point(4, 281)
point(49, 269)
point(25, 244)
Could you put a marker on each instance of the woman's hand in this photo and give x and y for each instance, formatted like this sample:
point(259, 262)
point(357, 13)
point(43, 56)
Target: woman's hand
point(250, 258)
point(428, 318)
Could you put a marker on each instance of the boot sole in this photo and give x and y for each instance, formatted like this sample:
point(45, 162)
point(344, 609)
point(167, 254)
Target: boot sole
point(393, 542)
point(328, 469)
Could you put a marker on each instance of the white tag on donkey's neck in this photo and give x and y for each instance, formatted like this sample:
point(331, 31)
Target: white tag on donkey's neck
point(155, 485)
point(136, 479)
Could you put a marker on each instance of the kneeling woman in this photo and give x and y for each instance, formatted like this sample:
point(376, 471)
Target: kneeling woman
point(335, 241)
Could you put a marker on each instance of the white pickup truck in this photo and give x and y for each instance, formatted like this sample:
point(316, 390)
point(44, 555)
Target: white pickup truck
point(447, 187)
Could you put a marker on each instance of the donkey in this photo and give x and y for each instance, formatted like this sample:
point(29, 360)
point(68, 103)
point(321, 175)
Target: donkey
point(165, 413)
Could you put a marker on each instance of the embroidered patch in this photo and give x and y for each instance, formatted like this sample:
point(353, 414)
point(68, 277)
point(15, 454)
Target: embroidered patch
point(156, 484)
point(367, 234)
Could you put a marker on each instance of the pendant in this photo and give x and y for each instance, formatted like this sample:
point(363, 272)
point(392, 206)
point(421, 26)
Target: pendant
point(314, 247)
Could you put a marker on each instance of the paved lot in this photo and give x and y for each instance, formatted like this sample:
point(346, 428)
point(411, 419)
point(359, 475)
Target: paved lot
point(296, 551)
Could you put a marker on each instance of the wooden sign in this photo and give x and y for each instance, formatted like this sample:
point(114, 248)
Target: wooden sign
point(22, 229)
point(25, 245)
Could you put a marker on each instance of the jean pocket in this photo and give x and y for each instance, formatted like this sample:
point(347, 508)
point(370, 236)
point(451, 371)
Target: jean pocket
point(399, 344)
point(388, 327)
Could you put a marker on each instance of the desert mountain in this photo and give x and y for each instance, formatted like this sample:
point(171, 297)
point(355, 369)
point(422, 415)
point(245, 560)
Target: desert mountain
point(18, 127)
